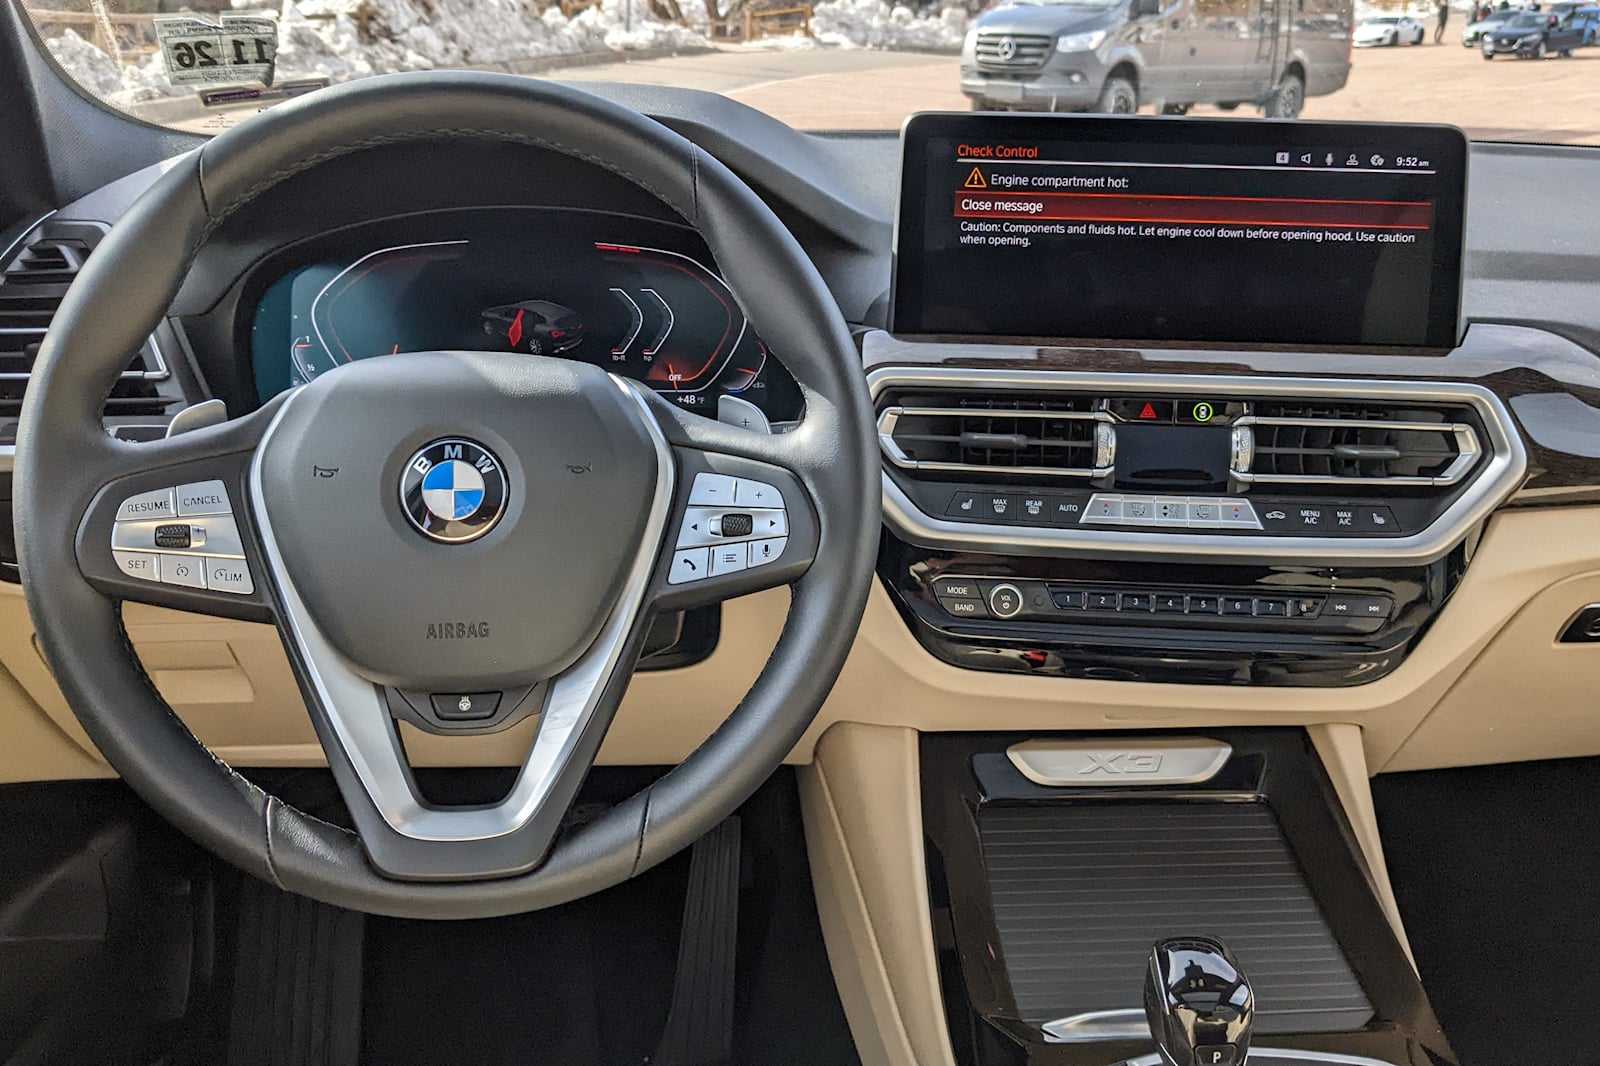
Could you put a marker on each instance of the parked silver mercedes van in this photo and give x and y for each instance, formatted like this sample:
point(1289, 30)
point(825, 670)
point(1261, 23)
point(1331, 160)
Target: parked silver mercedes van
point(1116, 55)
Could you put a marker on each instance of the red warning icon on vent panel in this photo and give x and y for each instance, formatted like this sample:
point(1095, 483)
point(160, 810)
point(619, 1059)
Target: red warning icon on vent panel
point(1148, 411)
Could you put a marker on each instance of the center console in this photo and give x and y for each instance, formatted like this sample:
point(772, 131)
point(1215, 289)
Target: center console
point(1080, 477)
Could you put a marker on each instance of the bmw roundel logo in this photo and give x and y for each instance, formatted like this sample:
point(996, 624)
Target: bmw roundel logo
point(453, 490)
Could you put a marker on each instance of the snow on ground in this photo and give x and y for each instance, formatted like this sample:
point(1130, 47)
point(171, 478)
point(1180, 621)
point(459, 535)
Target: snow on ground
point(345, 39)
point(876, 24)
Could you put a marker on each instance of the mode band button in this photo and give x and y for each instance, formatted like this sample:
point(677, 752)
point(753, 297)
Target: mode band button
point(964, 607)
point(959, 587)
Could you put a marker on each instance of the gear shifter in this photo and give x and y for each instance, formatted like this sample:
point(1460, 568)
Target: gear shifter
point(1198, 1003)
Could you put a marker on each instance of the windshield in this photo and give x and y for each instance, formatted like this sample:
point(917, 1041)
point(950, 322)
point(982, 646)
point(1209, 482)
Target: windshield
point(1527, 22)
point(204, 65)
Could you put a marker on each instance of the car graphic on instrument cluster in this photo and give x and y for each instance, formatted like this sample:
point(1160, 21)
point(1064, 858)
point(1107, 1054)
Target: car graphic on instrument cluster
point(537, 327)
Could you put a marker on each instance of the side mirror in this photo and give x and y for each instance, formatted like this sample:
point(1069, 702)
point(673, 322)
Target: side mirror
point(1144, 8)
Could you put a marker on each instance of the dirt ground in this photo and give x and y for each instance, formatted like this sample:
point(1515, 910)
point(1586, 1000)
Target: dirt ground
point(1554, 100)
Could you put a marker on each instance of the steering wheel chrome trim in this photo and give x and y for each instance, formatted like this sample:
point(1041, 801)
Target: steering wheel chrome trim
point(358, 714)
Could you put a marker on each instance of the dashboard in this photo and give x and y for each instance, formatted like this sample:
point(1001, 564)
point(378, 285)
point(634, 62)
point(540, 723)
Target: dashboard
point(635, 297)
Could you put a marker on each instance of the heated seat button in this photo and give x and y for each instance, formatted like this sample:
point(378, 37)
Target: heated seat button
point(1376, 520)
point(465, 706)
point(964, 505)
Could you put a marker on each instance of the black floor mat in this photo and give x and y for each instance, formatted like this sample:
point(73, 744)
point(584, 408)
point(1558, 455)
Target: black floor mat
point(591, 982)
point(1496, 869)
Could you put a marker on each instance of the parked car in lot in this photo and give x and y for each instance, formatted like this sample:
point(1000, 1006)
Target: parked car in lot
point(1476, 31)
point(1388, 30)
point(1114, 55)
point(1532, 35)
point(1586, 20)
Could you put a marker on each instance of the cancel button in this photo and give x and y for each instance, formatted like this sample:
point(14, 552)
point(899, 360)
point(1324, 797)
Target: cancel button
point(203, 498)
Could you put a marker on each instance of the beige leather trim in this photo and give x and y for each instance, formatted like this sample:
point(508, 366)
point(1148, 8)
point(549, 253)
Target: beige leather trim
point(1339, 747)
point(1525, 698)
point(863, 818)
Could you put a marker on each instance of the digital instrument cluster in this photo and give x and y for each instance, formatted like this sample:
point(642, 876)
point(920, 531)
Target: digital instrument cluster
point(644, 310)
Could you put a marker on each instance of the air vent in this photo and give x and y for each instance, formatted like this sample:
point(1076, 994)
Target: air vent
point(1286, 443)
point(32, 286)
point(1032, 434)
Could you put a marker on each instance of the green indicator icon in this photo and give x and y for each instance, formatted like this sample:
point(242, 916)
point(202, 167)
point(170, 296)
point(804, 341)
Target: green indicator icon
point(1203, 412)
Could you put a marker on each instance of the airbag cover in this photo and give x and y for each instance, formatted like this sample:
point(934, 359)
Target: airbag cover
point(516, 605)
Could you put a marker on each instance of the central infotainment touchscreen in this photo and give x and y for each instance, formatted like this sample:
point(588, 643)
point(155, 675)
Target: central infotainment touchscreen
point(1079, 228)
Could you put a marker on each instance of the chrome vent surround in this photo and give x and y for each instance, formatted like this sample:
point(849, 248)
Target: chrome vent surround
point(1481, 470)
point(1013, 51)
point(33, 282)
point(1303, 443)
point(1006, 434)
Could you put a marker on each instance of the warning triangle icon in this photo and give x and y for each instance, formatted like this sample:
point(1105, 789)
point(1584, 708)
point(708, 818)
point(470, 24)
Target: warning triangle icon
point(1148, 411)
point(975, 180)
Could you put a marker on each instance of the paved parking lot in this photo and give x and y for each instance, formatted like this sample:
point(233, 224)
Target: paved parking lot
point(1554, 100)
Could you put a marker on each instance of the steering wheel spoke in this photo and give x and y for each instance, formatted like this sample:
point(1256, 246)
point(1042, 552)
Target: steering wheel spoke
point(168, 525)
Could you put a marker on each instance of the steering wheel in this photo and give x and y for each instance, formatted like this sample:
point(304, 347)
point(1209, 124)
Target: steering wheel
point(457, 539)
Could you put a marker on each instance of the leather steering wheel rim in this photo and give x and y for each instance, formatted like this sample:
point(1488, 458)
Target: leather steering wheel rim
point(65, 457)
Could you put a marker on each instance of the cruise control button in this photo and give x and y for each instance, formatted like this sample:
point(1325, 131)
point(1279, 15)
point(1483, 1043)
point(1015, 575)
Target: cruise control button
point(143, 565)
point(173, 535)
point(1376, 520)
point(959, 587)
point(729, 559)
point(465, 706)
point(186, 570)
point(690, 565)
point(760, 552)
point(712, 490)
point(229, 575)
point(963, 607)
point(748, 493)
point(203, 498)
point(157, 504)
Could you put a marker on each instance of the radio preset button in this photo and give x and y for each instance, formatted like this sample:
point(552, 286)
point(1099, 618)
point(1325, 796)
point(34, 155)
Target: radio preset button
point(1238, 605)
point(1101, 601)
point(1170, 603)
point(1204, 604)
point(1068, 599)
point(1137, 601)
point(1272, 608)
